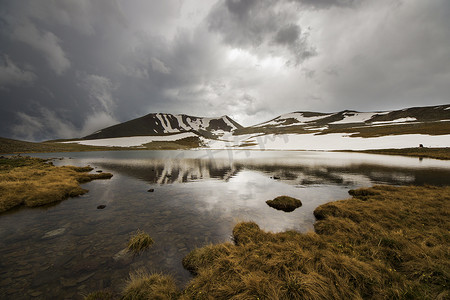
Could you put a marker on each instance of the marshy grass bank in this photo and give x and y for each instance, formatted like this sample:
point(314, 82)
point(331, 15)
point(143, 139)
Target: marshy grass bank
point(34, 182)
point(385, 242)
point(392, 243)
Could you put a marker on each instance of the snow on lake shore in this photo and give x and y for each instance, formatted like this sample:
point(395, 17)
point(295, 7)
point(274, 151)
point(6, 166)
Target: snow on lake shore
point(335, 141)
point(133, 141)
point(311, 141)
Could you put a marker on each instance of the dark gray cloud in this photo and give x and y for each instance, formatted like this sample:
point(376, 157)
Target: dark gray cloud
point(267, 27)
point(288, 35)
point(11, 74)
point(68, 68)
point(324, 4)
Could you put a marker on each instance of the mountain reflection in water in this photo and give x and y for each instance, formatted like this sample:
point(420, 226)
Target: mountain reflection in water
point(309, 169)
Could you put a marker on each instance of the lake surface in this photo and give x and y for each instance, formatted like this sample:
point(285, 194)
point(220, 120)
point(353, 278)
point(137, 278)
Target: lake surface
point(72, 248)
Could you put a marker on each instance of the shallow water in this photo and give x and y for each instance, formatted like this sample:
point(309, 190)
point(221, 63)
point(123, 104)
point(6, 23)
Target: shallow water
point(70, 249)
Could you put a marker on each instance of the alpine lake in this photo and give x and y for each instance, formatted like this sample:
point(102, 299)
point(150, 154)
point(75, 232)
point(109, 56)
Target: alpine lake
point(67, 250)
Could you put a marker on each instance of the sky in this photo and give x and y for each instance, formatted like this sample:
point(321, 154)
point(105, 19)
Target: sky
point(71, 67)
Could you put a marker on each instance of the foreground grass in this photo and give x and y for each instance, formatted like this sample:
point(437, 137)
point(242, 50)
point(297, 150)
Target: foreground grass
point(142, 285)
point(437, 153)
point(384, 243)
point(33, 182)
point(392, 244)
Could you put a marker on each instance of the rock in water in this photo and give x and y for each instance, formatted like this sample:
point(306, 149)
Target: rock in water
point(284, 203)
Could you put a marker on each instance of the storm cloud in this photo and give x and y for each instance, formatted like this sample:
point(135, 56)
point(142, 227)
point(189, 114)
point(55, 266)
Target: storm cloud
point(266, 27)
point(68, 68)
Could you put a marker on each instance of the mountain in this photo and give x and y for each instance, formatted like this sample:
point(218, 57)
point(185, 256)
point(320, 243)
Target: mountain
point(411, 120)
point(301, 130)
point(159, 124)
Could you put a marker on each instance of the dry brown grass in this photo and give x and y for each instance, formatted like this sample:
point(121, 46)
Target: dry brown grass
point(100, 295)
point(186, 143)
point(32, 182)
point(385, 243)
point(142, 285)
point(437, 153)
point(139, 242)
point(15, 146)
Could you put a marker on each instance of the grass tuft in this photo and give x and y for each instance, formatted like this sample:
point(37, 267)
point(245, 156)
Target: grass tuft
point(142, 285)
point(100, 295)
point(284, 203)
point(139, 242)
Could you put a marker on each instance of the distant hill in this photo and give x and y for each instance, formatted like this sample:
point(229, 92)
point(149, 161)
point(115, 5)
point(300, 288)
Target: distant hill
point(432, 120)
point(11, 146)
point(301, 130)
point(156, 124)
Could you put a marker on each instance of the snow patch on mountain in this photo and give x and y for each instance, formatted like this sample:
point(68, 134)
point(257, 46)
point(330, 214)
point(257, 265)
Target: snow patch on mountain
point(199, 123)
point(355, 117)
point(298, 118)
point(400, 120)
point(181, 123)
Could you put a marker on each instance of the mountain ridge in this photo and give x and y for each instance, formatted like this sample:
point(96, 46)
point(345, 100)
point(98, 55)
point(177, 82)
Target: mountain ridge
point(309, 122)
point(155, 124)
point(347, 129)
point(300, 130)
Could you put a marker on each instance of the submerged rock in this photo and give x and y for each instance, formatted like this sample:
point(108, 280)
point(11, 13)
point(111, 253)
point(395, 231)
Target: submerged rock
point(151, 190)
point(35, 293)
point(53, 233)
point(122, 255)
point(85, 277)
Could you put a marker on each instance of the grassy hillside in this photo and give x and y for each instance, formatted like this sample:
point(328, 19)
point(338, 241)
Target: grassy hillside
point(430, 128)
point(355, 130)
point(10, 146)
point(437, 153)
